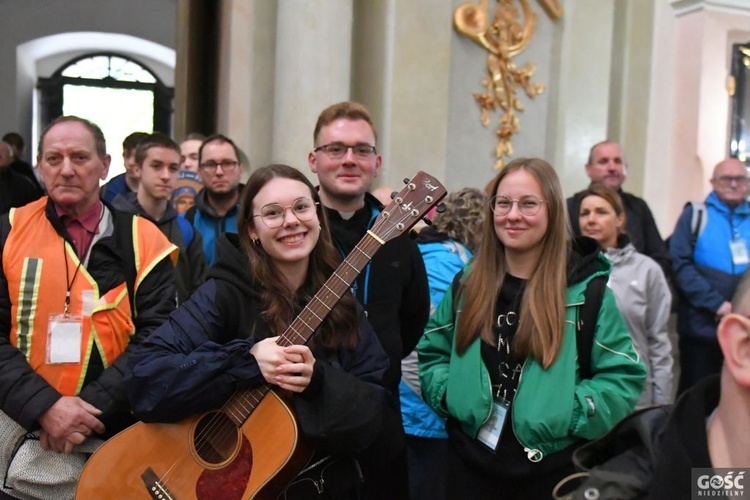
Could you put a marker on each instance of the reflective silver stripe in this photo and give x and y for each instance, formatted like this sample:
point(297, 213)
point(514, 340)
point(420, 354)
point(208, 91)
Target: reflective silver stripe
point(28, 295)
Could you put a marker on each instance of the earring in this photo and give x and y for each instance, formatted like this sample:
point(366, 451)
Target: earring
point(256, 241)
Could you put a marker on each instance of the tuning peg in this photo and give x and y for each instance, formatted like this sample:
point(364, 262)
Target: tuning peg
point(406, 180)
point(393, 194)
point(440, 208)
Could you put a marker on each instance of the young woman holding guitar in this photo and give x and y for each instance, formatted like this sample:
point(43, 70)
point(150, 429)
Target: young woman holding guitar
point(226, 338)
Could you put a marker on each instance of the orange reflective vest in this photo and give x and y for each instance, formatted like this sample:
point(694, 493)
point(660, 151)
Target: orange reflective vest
point(35, 257)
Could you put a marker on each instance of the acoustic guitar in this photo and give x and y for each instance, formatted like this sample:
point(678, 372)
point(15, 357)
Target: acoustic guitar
point(252, 446)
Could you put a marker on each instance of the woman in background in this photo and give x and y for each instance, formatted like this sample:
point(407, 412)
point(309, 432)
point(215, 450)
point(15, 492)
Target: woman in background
point(640, 289)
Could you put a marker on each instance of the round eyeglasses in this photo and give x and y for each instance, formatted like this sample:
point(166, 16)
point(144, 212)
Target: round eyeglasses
point(273, 214)
point(528, 205)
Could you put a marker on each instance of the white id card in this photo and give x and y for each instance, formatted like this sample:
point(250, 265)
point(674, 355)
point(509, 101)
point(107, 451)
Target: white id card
point(64, 334)
point(489, 433)
point(739, 251)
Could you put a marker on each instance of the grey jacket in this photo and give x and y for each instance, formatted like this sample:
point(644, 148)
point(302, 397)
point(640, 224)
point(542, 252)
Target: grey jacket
point(644, 300)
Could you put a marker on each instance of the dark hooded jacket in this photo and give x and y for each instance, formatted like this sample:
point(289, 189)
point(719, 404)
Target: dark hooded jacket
point(651, 453)
point(393, 287)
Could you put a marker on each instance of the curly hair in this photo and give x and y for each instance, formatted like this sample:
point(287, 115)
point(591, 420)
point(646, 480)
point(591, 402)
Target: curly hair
point(463, 217)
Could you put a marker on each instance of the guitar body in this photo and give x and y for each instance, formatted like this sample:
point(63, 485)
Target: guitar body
point(203, 457)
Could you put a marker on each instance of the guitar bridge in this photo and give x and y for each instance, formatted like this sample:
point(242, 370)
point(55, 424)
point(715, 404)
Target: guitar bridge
point(155, 487)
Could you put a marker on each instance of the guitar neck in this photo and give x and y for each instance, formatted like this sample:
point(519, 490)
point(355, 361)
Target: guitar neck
point(316, 310)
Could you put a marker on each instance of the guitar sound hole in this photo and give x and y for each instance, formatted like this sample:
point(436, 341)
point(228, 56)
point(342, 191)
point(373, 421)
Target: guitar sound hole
point(215, 438)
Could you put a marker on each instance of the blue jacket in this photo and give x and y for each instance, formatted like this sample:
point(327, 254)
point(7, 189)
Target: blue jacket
point(705, 275)
point(443, 259)
point(207, 222)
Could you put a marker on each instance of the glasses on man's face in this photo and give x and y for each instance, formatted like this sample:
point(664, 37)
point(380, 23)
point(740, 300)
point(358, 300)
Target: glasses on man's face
point(273, 215)
point(226, 165)
point(728, 180)
point(528, 205)
point(337, 150)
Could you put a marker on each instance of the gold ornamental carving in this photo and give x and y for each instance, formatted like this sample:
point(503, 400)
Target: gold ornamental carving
point(508, 34)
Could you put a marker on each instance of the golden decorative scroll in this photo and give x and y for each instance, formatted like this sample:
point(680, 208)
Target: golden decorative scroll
point(503, 39)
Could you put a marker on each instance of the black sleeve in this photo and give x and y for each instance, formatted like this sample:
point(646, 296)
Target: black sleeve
point(415, 306)
point(345, 411)
point(654, 245)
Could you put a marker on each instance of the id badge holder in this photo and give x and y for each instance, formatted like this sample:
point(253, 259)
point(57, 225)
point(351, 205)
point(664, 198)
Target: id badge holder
point(740, 254)
point(64, 335)
point(492, 429)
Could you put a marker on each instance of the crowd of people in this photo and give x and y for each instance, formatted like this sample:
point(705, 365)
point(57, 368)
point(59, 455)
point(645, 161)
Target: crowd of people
point(512, 347)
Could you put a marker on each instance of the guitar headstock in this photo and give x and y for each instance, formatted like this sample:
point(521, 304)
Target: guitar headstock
point(412, 203)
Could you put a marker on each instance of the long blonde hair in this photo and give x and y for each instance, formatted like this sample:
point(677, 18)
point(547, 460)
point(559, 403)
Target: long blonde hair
point(542, 314)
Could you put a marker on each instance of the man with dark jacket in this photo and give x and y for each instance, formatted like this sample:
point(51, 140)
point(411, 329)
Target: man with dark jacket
point(157, 159)
point(80, 284)
point(606, 165)
point(659, 452)
point(216, 205)
point(393, 287)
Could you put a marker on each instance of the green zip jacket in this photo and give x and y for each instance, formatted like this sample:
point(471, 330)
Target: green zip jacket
point(553, 408)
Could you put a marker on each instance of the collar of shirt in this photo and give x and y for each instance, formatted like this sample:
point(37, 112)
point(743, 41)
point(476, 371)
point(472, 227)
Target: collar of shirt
point(81, 229)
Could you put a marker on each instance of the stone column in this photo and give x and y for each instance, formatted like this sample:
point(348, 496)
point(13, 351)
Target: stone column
point(313, 70)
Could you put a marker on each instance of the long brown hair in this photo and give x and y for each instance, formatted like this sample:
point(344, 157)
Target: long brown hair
point(542, 315)
point(281, 304)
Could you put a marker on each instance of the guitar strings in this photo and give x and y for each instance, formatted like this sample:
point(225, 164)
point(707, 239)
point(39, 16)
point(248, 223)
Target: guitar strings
point(213, 433)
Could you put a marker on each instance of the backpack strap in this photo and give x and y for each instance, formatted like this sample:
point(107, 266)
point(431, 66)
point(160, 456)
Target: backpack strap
point(586, 326)
point(698, 221)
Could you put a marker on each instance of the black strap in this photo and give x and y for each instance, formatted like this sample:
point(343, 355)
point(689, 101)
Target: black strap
point(697, 227)
point(586, 326)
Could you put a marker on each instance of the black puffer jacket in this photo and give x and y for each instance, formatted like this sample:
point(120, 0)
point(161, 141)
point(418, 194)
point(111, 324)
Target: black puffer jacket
point(651, 453)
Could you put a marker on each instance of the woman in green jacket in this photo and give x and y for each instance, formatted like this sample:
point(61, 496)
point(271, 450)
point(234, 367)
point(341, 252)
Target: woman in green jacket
point(502, 365)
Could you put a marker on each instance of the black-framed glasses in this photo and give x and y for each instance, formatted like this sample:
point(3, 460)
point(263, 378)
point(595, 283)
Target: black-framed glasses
point(528, 205)
point(727, 180)
point(226, 165)
point(337, 150)
point(273, 214)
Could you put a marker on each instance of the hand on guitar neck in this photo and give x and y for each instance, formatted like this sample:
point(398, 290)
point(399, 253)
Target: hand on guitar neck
point(289, 367)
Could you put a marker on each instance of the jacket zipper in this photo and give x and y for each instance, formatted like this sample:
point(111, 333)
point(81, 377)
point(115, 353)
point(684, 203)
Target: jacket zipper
point(532, 454)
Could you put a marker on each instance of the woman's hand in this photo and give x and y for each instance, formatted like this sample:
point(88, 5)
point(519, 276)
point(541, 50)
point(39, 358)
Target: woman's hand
point(295, 374)
point(289, 367)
